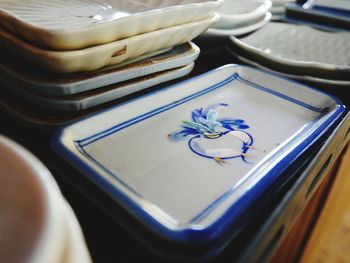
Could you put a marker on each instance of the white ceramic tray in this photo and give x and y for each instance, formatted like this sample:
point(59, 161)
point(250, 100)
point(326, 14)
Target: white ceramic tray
point(113, 53)
point(85, 100)
point(238, 13)
point(281, 72)
point(188, 161)
point(75, 24)
point(43, 82)
point(240, 30)
point(300, 46)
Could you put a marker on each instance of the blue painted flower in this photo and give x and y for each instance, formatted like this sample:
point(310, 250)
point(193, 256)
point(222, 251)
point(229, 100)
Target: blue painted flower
point(206, 125)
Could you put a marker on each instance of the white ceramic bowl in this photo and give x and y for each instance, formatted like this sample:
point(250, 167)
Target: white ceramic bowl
point(33, 221)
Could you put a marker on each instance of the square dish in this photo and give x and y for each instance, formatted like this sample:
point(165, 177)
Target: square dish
point(88, 99)
point(76, 24)
point(42, 82)
point(189, 160)
point(113, 53)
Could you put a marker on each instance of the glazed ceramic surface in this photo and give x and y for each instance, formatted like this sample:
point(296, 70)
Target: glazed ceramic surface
point(240, 30)
point(284, 73)
point(43, 82)
point(189, 160)
point(300, 46)
point(237, 13)
point(76, 24)
point(334, 4)
point(113, 53)
point(96, 97)
point(277, 226)
point(336, 13)
point(30, 192)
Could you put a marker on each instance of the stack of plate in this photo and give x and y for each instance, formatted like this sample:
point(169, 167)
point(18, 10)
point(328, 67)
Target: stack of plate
point(279, 8)
point(70, 55)
point(238, 17)
point(299, 52)
point(36, 224)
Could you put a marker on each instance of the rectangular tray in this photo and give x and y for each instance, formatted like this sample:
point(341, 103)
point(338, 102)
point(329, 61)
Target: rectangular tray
point(112, 53)
point(40, 81)
point(95, 97)
point(76, 24)
point(276, 227)
point(189, 160)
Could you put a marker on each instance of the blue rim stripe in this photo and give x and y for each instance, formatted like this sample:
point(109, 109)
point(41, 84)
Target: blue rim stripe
point(123, 125)
point(278, 94)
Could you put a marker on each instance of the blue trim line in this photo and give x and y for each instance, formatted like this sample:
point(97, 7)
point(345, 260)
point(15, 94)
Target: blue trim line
point(278, 94)
point(85, 153)
point(100, 135)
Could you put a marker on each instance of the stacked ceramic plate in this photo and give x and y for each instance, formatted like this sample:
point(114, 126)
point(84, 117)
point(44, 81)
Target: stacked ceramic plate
point(238, 17)
point(299, 52)
point(72, 53)
point(278, 8)
point(36, 223)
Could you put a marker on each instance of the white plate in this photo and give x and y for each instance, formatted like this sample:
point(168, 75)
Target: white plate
point(237, 13)
point(42, 82)
point(240, 30)
point(113, 53)
point(300, 46)
point(188, 161)
point(96, 97)
point(75, 24)
point(330, 82)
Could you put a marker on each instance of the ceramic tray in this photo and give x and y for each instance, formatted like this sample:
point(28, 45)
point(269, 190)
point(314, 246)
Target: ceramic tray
point(238, 13)
point(113, 53)
point(75, 24)
point(320, 15)
point(277, 226)
point(43, 82)
point(317, 53)
point(240, 30)
point(189, 160)
point(95, 97)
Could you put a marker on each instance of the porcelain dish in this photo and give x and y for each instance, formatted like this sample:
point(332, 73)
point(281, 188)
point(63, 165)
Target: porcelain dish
point(289, 209)
point(237, 13)
point(239, 31)
point(284, 73)
point(85, 100)
point(202, 151)
point(42, 82)
point(318, 53)
point(77, 24)
point(29, 191)
point(112, 53)
point(311, 11)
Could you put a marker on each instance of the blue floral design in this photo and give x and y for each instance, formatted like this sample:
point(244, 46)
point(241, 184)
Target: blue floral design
point(204, 123)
